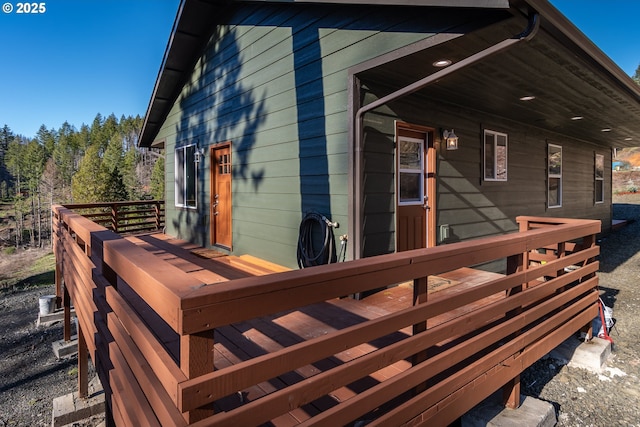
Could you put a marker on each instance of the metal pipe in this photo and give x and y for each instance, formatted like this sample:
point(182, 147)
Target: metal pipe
point(529, 32)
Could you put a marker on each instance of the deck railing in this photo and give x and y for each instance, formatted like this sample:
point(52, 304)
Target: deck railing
point(124, 217)
point(164, 375)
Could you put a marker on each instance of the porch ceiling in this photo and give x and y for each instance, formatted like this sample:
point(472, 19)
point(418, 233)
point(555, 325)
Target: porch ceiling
point(565, 80)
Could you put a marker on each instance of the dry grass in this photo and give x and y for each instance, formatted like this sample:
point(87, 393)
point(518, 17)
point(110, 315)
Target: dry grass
point(26, 268)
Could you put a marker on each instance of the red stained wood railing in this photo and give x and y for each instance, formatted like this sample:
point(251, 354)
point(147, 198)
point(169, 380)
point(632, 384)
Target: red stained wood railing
point(149, 328)
point(124, 217)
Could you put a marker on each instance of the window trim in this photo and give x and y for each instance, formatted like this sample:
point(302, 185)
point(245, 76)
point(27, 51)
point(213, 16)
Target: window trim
point(598, 181)
point(495, 135)
point(180, 157)
point(554, 176)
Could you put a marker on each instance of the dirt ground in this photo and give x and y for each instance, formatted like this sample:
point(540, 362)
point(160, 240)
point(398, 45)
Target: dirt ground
point(30, 375)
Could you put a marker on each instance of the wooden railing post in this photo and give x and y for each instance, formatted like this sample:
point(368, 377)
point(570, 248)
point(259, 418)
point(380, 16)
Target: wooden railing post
point(420, 296)
point(57, 250)
point(196, 358)
point(83, 365)
point(515, 263)
point(66, 302)
point(114, 217)
point(156, 206)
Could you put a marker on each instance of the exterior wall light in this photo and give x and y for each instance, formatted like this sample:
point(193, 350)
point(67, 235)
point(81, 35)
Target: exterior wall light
point(198, 155)
point(451, 139)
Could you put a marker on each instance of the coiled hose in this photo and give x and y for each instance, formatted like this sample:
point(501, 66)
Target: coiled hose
point(316, 243)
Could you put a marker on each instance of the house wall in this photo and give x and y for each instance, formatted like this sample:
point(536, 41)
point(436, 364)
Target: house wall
point(473, 207)
point(274, 83)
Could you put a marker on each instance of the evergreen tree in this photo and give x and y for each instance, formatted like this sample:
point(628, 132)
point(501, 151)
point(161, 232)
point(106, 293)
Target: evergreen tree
point(157, 179)
point(46, 138)
point(89, 184)
point(129, 174)
point(113, 157)
point(14, 160)
point(115, 191)
point(636, 76)
point(6, 137)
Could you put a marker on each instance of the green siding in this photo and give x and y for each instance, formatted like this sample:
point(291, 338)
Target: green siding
point(472, 207)
point(274, 83)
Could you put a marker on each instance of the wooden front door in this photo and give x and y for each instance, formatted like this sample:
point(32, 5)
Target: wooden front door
point(415, 178)
point(221, 196)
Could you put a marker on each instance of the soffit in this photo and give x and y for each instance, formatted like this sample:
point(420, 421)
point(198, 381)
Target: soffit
point(565, 80)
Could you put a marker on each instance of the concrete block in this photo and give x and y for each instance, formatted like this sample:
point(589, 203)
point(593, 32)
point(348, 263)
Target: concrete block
point(531, 413)
point(51, 318)
point(591, 355)
point(62, 348)
point(69, 409)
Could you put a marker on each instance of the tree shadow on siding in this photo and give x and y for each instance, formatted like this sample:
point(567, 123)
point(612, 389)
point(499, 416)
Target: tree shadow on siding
point(216, 107)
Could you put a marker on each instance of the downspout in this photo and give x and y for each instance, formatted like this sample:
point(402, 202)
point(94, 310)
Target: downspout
point(529, 32)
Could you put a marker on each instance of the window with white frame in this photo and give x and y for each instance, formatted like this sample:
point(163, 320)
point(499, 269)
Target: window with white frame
point(495, 156)
point(599, 178)
point(554, 176)
point(185, 178)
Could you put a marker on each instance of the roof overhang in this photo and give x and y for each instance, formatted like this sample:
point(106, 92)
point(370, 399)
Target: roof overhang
point(578, 91)
point(568, 75)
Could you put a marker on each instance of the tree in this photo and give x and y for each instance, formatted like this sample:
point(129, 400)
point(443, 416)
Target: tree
point(14, 160)
point(636, 76)
point(115, 191)
point(6, 137)
point(89, 184)
point(34, 161)
point(66, 158)
point(46, 138)
point(157, 179)
point(129, 174)
point(113, 155)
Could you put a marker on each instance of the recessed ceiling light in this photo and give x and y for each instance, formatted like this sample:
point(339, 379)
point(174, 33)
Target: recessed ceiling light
point(605, 129)
point(527, 98)
point(577, 118)
point(442, 63)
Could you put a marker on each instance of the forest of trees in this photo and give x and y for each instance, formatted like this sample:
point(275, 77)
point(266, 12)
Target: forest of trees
point(100, 162)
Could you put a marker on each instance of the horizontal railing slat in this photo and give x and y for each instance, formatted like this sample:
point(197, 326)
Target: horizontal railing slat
point(168, 373)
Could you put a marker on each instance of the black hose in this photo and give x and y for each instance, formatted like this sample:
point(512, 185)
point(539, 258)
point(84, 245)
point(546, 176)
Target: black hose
point(316, 243)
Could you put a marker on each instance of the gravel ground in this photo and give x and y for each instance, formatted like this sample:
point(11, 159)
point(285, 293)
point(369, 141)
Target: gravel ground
point(611, 398)
point(31, 377)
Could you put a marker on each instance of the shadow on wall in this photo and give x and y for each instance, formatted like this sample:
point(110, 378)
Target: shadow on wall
point(217, 108)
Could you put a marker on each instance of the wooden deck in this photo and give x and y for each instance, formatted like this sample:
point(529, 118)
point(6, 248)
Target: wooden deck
point(253, 338)
point(185, 336)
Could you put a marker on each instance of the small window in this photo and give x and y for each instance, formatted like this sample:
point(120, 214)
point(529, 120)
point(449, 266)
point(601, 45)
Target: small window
point(411, 171)
point(185, 178)
point(599, 178)
point(554, 178)
point(495, 156)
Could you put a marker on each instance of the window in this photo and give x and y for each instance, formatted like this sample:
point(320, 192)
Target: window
point(599, 178)
point(411, 171)
point(495, 156)
point(186, 176)
point(554, 176)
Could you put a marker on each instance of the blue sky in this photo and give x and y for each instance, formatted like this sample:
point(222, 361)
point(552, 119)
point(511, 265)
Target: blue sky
point(83, 57)
point(80, 58)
